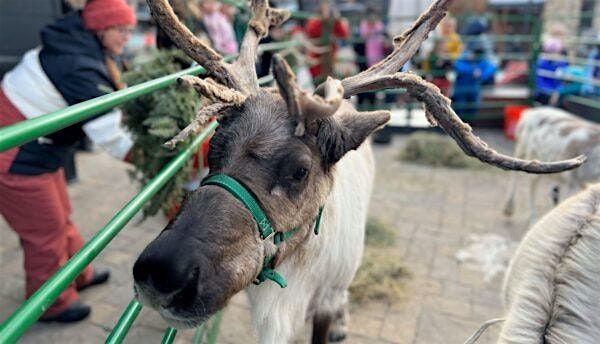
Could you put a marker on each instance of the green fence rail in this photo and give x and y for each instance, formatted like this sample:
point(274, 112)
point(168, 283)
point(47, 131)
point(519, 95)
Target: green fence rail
point(35, 306)
point(14, 135)
point(25, 131)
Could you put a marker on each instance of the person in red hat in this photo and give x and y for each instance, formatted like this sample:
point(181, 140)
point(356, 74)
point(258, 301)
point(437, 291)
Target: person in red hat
point(74, 63)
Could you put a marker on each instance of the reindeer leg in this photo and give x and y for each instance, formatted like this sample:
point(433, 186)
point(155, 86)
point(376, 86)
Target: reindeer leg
point(321, 325)
point(556, 194)
point(339, 326)
point(509, 206)
point(532, 192)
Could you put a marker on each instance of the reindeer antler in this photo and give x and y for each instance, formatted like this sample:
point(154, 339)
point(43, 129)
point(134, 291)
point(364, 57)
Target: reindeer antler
point(384, 75)
point(301, 105)
point(241, 76)
point(191, 45)
point(227, 85)
point(263, 17)
point(202, 117)
point(212, 90)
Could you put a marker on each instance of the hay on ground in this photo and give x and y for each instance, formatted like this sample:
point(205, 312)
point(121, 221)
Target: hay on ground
point(379, 234)
point(436, 150)
point(380, 277)
point(381, 274)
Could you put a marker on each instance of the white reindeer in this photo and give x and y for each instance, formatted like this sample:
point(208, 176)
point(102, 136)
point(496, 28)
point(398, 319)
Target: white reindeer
point(548, 133)
point(552, 286)
point(278, 157)
point(551, 290)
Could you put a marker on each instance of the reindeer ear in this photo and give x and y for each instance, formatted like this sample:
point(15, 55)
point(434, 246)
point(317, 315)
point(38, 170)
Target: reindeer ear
point(340, 134)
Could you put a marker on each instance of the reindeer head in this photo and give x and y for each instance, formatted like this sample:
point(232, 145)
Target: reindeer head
point(282, 146)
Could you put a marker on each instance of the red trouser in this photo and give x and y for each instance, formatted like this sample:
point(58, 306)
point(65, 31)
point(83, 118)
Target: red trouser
point(38, 209)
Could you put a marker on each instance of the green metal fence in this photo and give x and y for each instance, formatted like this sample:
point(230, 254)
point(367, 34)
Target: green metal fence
point(14, 135)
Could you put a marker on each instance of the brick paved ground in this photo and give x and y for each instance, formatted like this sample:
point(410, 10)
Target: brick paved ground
point(433, 210)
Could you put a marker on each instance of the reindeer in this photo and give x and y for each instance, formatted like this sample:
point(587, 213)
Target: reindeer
point(550, 290)
point(288, 191)
point(550, 133)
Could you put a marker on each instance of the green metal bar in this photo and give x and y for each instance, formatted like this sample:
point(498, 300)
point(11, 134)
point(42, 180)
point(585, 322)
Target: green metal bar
point(14, 327)
point(208, 331)
point(169, 336)
point(199, 334)
point(213, 331)
point(25, 131)
point(277, 46)
point(122, 326)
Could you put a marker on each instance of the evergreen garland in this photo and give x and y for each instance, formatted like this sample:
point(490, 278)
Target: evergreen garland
point(155, 118)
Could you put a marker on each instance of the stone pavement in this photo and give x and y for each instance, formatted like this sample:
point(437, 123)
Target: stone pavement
point(433, 210)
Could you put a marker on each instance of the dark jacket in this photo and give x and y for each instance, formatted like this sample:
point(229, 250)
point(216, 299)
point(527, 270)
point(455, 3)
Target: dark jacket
point(74, 61)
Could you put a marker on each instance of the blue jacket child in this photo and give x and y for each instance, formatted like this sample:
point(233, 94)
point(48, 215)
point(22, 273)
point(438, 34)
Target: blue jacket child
point(472, 69)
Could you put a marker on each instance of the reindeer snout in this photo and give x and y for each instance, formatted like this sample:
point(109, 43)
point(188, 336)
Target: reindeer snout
point(167, 266)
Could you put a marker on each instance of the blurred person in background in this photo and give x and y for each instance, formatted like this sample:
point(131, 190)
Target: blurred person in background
point(473, 69)
point(74, 64)
point(547, 83)
point(220, 30)
point(452, 45)
point(238, 18)
point(326, 28)
point(441, 50)
point(372, 31)
point(476, 26)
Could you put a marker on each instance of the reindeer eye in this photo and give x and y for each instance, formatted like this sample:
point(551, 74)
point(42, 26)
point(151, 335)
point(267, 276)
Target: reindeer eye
point(300, 173)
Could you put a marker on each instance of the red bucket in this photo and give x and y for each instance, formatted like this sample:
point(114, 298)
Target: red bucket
point(512, 114)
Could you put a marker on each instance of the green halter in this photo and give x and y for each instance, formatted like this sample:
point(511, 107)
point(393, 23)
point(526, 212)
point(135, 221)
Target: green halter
point(263, 225)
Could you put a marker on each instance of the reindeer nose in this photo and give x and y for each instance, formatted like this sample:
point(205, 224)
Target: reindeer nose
point(166, 265)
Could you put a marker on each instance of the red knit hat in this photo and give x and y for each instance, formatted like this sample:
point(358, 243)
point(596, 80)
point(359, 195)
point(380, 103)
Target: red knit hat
point(102, 14)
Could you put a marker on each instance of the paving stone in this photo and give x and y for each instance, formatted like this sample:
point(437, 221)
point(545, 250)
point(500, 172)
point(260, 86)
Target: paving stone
point(399, 327)
point(364, 325)
point(435, 327)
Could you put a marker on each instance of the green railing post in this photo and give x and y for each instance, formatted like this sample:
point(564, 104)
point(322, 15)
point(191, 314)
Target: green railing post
point(169, 336)
point(14, 327)
point(122, 326)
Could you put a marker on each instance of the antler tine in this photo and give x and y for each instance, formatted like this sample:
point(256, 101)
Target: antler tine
point(301, 105)
point(191, 45)
point(406, 45)
point(204, 115)
point(439, 112)
point(213, 90)
point(263, 17)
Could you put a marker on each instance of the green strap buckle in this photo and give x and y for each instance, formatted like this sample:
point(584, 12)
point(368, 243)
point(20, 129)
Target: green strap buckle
point(270, 274)
point(318, 221)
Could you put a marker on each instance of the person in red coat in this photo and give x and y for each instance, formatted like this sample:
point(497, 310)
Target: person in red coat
point(75, 64)
point(327, 27)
